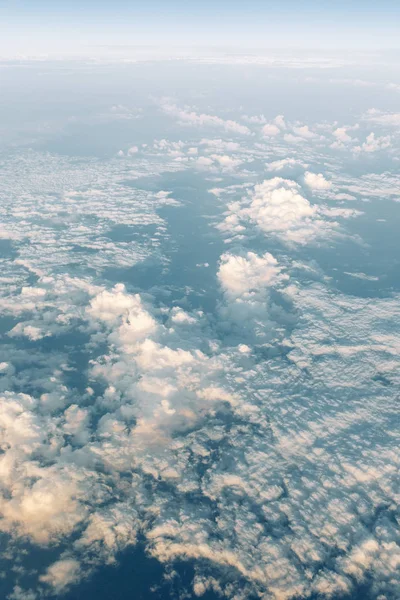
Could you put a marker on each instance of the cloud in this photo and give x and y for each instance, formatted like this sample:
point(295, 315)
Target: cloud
point(247, 312)
point(276, 206)
point(341, 135)
point(226, 162)
point(273, 128)
point(218, 161)
point(374, 144)
point(304, 131)
point(373, 185)
point(41, 502)
point(280, 121)
point(293, 139)
point(270, 130)
point(190, 117)
point(19, 593)
point(220, 145)
point(204, 161)
point(316, 181)
point(180, 316)
point(110, 306)
point(247, 275)
point(285, 163)
point(97, 191)
point(386, 119)
point(62, 574)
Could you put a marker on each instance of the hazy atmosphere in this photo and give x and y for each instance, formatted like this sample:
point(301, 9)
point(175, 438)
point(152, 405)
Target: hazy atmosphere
point(199, 301)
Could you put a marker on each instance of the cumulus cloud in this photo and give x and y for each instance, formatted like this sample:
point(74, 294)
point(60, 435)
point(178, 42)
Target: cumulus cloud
point(247, 275)
point(304, 131)
point(30, 331)
point(274, 127)
point(276, 206)
point(180, 316)
point(218, 161)
point(316, 181)
point(341, 135)
point(270, 130)
point(40, 502)
point(225, 161)
point(247, 311)
point(110, 306)
point(204, 161)
point(374, 144)
point(292, 139)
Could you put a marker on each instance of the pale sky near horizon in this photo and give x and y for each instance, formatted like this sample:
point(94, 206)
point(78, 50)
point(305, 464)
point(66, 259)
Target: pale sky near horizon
point(72, 27)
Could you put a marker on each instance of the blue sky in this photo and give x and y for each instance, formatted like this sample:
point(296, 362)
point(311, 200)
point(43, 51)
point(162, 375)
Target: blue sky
point(65, 26)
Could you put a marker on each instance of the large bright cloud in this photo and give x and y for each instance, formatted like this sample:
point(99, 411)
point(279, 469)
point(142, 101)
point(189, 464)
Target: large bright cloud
point(247, 275)
point(278, 207)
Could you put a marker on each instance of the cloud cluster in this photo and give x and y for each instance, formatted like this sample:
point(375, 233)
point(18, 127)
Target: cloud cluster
point(247, 275)
point(75, 207)
point(374, 144)
point(380, 117)
point(277, 207)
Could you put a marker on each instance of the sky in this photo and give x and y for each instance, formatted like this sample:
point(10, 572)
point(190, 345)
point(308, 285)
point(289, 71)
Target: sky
point(82, 27)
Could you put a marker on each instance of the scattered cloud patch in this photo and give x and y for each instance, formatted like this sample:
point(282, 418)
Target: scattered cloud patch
point(190, 117)
point(374, 144)
point(285, 163)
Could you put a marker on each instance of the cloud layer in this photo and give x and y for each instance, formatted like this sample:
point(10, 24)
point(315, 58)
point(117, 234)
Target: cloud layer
point(178, 371)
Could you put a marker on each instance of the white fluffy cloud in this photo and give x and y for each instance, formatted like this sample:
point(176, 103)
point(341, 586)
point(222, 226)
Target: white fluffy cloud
point(304, 131)
point(316, 181)
point(270, 130)
point(276, 206)
point(247, 275)
point(374, 144)
point(247, 311)
point(341, 135)
point(218, 161)
point(42, 502)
